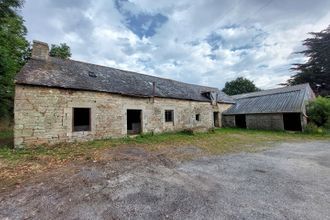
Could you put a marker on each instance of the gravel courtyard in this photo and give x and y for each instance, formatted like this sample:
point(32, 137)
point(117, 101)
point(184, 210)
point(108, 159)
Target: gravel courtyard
point(288, 181)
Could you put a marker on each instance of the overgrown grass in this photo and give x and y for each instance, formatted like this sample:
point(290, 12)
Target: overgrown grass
point(6, 134)
point(218, 141)
point(17, 164)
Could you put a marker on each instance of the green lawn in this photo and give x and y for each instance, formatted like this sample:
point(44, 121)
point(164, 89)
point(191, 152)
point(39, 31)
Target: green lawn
point(17, 164)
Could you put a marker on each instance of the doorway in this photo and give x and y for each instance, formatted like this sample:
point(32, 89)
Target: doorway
point(292, 121)
point(240, 121)
point(216, 121)
point(134, 118)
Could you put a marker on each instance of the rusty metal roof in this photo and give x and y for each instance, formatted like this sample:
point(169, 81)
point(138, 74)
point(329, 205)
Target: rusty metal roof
point(280, 100)
point(70, 74)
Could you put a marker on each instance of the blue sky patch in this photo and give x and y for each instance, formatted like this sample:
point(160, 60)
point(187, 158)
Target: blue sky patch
point(141, 24)
point(144, 25)
point(215, 40)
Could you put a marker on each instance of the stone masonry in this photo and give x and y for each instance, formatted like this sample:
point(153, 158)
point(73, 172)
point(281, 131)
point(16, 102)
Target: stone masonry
point(44, 115)
point(265, 121)
point(257, 121)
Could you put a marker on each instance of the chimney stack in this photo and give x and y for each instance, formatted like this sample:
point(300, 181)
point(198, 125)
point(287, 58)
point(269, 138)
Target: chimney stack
point(40, 50)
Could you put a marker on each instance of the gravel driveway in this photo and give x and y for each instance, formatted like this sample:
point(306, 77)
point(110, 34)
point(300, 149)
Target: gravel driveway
point(288, 181)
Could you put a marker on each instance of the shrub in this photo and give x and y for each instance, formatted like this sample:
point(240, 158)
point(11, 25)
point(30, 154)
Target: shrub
point(318, 112)
point(327, 124)
point(313, 129)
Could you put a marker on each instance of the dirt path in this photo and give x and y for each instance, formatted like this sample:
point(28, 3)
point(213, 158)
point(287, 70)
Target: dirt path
point(290, 181)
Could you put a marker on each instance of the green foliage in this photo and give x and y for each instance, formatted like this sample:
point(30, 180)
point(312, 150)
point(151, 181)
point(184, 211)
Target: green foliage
point(312, 128)
point(239, 85)
point(62, 51)
point(317, 68)
point(318, 112)
point(13, 51)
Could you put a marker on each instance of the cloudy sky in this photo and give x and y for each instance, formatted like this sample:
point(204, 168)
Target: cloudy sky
point(203, 41)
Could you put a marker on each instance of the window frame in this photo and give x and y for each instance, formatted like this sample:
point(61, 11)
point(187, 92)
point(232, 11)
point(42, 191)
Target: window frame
point(89, 119)
point(171, 113)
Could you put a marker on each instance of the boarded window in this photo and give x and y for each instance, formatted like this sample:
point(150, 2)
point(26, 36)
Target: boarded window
point(198, 117)
point(169, 115)
point(81, 119)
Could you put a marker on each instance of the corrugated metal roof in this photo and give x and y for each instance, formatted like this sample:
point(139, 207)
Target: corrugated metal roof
point(72, 74)
point(286, 99)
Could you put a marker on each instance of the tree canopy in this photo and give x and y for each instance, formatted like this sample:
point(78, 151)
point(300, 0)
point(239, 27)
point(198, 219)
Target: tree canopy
point(239, 85)
point(62, 51)
point(13, 51)
point(316, 71)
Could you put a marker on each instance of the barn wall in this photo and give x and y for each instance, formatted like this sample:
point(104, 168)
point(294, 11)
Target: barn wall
point(265, 121)
point(44, 115)
point(257, 121)
point(228, 121)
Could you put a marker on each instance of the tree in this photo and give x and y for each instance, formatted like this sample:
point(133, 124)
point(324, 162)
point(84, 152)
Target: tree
point(316, 71)
point(239, 85)
point(61, 51)
point(13, 51)
point(318, 112)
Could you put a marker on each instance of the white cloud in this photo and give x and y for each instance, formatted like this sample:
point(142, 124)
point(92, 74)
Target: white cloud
point(255, 39)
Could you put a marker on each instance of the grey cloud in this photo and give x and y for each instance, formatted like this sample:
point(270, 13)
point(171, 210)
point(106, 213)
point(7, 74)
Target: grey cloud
point(258, 37)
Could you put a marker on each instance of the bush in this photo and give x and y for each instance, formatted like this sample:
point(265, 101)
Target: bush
point(312, 128)
point(318, 112)
point(327, 124)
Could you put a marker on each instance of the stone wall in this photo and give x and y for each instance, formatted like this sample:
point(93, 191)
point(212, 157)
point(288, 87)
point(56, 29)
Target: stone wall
point(257, 121)
point(265, 121)
point(44, 115)
point(228, 121)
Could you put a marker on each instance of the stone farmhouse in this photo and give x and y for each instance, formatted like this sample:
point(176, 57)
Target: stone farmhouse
point(62, 100)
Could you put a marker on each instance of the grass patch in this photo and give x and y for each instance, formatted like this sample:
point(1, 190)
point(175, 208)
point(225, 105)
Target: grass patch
point(17, 164)
point(6, 138)
point(6, 134)
point(216, 142)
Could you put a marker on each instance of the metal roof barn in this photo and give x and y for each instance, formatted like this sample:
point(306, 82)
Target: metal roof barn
point(280, 100)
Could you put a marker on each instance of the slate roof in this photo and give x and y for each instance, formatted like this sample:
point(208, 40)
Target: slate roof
point(287, 99)
point(70, 74)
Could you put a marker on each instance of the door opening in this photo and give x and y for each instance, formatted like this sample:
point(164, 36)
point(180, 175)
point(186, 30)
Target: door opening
point(292, 121)
point(81, 119)
point(216, 121)
point(134, 125)
point(240, 121)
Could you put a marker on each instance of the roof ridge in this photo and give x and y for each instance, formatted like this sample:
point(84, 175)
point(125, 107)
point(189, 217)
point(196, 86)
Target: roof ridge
point(247, 97)
point(271, 91)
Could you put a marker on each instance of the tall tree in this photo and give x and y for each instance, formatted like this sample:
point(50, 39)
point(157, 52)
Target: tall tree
point(316, 71)
point(239, 85)
point(62, 51)
point(13, 51)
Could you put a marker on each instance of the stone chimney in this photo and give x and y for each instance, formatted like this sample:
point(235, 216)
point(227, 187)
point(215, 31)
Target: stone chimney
point(40, 50)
